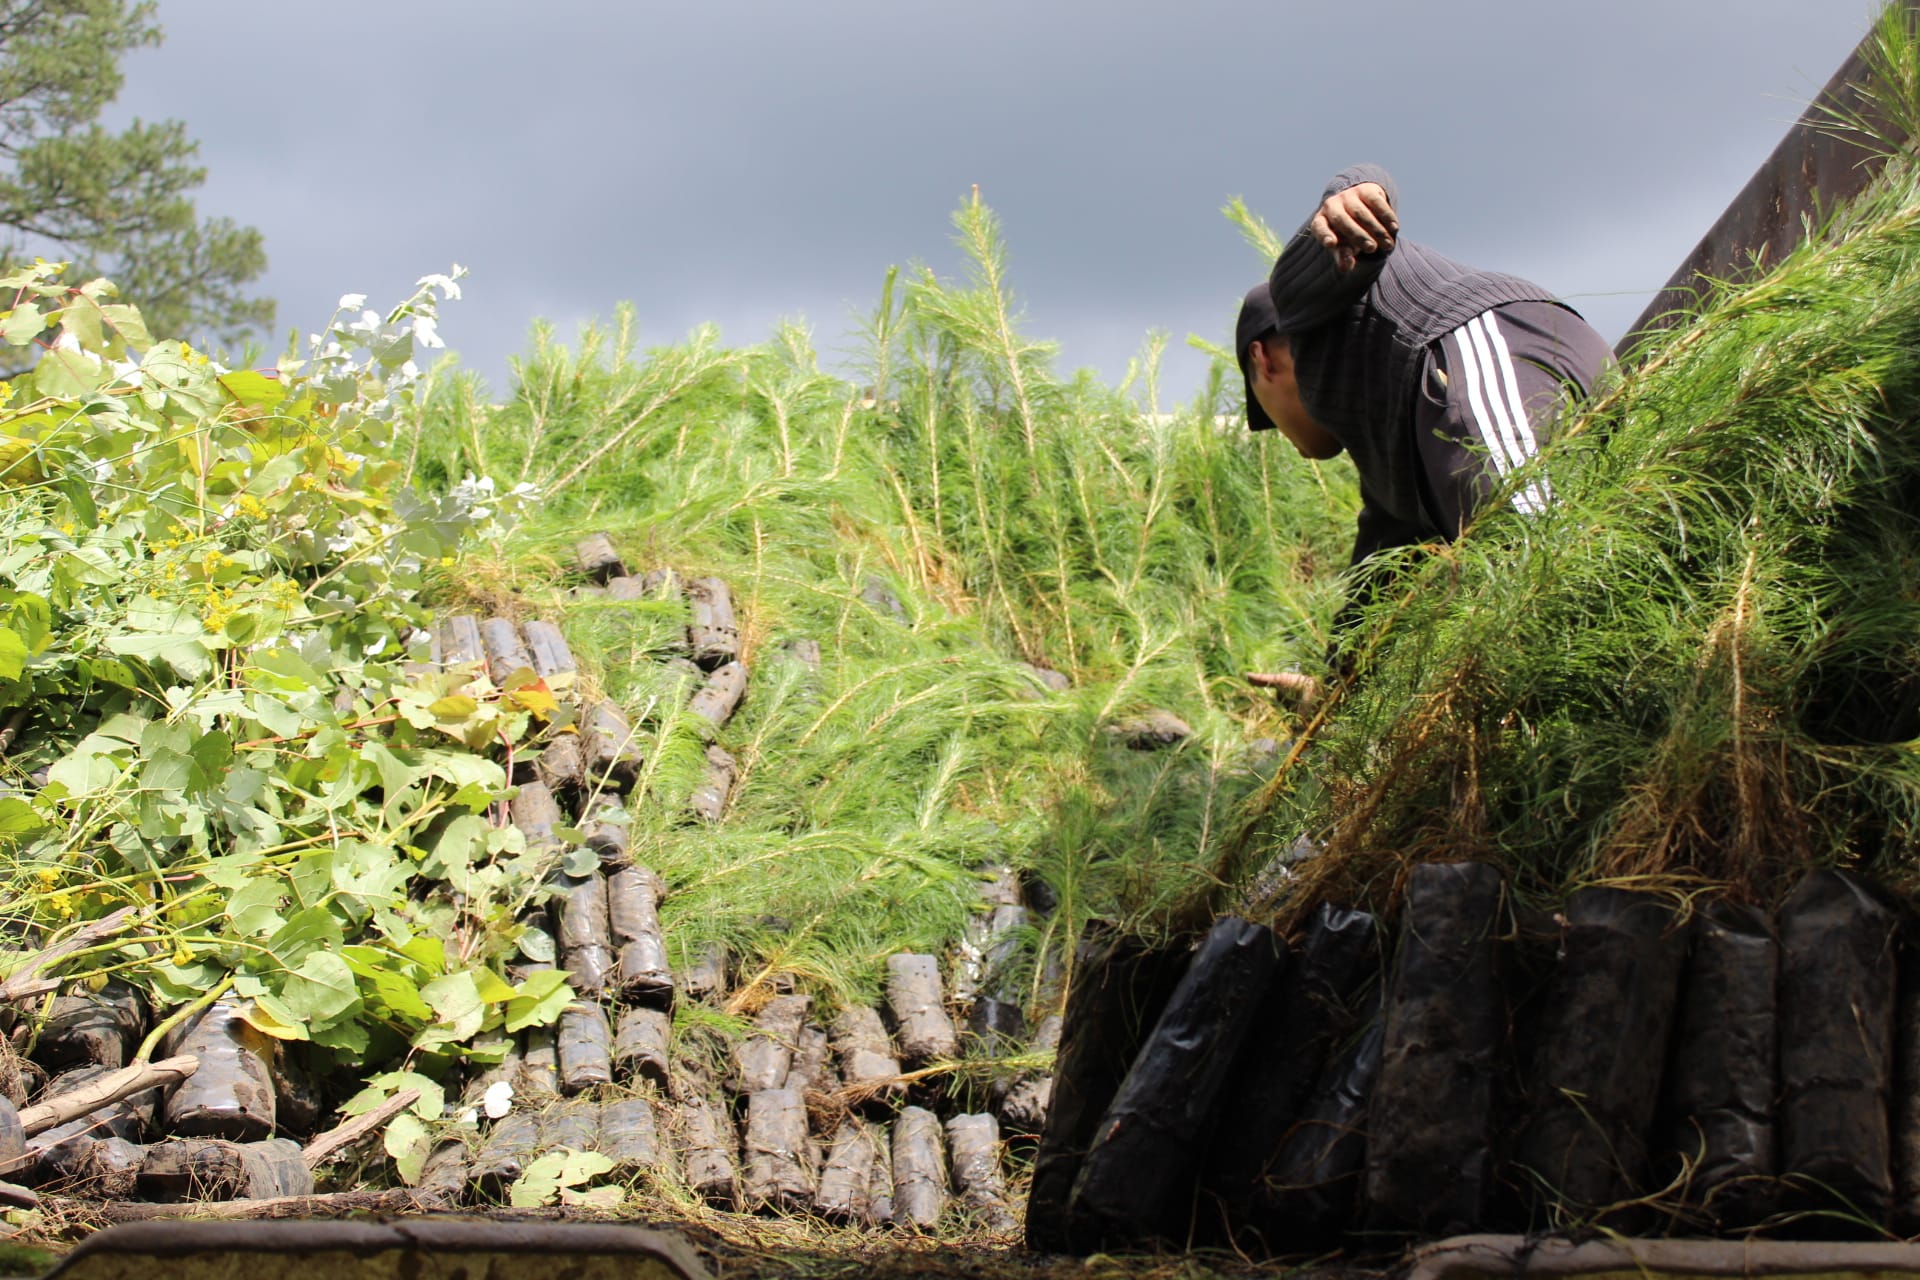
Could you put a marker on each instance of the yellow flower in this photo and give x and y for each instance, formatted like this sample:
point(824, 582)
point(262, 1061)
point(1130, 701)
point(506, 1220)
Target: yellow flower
point(62, 903)
point(47, 877)
point(252, 506)
point(182, 957)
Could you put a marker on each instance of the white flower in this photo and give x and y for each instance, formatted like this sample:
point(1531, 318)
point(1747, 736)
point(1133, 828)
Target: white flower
point(352, 301)
point(426, 332)
point(497, 1100)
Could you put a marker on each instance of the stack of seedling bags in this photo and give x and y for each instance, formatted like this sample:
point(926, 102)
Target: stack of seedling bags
point(1610, 921)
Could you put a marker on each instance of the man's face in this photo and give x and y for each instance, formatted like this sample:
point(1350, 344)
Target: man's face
point(1270, 362)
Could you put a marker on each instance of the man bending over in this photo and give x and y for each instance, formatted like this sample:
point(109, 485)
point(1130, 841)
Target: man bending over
point(1436, 379)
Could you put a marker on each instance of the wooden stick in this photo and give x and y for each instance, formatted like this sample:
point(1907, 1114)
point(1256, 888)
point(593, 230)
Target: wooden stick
point(322, 1148)
point(107, 1090)
point(334, 1204)
point(24, 983)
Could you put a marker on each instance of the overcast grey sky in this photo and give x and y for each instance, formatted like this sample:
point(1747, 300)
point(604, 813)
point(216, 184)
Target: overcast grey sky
point(755, 160)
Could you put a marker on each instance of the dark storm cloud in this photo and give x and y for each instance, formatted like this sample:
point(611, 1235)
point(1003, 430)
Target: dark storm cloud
point(741, 163)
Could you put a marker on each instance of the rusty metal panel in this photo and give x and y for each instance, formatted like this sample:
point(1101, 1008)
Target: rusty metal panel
point(1812, 170)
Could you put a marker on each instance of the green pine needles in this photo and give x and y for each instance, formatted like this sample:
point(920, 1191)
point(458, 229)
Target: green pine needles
point(956, 513)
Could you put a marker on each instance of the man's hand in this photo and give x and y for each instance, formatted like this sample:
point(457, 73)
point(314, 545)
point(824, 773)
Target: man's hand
point(1355, 221)
point(1303, 691)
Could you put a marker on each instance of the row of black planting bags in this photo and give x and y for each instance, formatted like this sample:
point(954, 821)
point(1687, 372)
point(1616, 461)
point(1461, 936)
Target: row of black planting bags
point(797, 1119)
point(1617, 1063)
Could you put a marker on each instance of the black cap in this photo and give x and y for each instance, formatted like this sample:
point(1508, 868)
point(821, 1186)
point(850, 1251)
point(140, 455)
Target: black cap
point(1257, 319)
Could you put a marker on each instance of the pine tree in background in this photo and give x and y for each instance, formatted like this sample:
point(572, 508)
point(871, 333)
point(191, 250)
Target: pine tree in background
point(117, 204)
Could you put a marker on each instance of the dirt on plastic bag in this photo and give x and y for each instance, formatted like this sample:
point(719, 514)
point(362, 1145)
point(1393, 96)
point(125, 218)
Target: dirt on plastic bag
point(1137, 1180)
point(1837, 967)
point(1591, 1105)
point(1430, 1158)
point(1120, 985)
point(1719, 1108)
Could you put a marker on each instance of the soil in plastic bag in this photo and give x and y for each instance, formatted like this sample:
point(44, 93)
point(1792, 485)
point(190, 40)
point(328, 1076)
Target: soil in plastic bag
point(548, 649)
point(776, 1174)
point(717, 700)
point(231, 1095)
point(1597, 1056)
point(629, 1136)
point(709, 799)
point(865, 1050)
point(641, 1046)
point(584, 1046)
point(1138, 1177)
point(504, 1154)
point(973, 1151)
point(880, 1189)
point(1430, 1161)
point(574, 1125)
point(712, 634)
point(1120, 986)
point(846, 1179)
point(446, 1170)
point(633, 916)
point(1837, 967)
point(99, 1168)
point(706, 977)
point(1304, 1013)
point(918, 1005)
point(607, 839)
point(500, 640)
point(1021, 1103)
point(211, 1169)
point(1310, 1193)
point(1719, 1107)
point(762, 1060)
point(920, 1187)
point(812, 1070)
point(705, 1138)
point(102, 1027)
point(562, 766)
point(586, 937)
point(538, 1075)
point(299, 1102)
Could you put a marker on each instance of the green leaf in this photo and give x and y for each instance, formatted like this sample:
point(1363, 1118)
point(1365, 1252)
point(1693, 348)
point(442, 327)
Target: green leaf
point(80, 320)
point(547, 1176)
point(111, 671)
point(305, 931)
point(128, 322)
point(32, 617)
point(250, 387)
point(274, 1017)
point(322, 988)
point(406, 1141)
point(166, 772)
point(22, 324)
point(539, 1000)
point(19, 818)
point(13, 655)
point(69, 375)
point(431, 1104)
point(455, 706)
point(458, 1010)
point(78, 492)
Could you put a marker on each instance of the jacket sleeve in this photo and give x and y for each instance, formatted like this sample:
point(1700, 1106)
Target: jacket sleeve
point(1307, 291)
